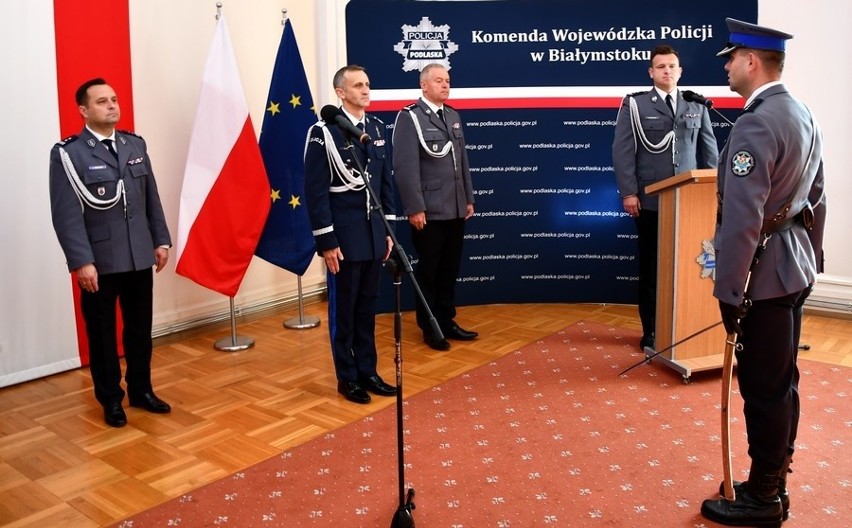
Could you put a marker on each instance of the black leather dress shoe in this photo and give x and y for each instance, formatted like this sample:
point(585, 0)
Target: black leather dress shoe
point(454, 331)
point(114, 415)
point(647, 341)
point(783, 495)
point(377, 385)
point(441, 345)
point(353, 392)
point(747, 510)
point(150, 403)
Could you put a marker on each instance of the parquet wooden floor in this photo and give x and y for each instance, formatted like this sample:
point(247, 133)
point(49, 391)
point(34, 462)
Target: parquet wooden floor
point(60, 465)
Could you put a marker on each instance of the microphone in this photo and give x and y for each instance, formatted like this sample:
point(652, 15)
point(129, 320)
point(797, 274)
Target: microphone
point(689, 95)
point(332, 114)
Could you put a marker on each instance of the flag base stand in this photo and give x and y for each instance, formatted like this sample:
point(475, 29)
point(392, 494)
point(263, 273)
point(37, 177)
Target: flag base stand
point(302, 322)
point(234, 343)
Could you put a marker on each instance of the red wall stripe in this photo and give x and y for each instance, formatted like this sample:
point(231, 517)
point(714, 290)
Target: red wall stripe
point(92, 40)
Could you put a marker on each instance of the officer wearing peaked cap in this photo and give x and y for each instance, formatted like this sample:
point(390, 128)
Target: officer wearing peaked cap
point(770, 184)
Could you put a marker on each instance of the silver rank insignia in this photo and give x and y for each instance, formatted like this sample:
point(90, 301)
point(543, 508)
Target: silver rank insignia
point(101, 191)
point(91, 143)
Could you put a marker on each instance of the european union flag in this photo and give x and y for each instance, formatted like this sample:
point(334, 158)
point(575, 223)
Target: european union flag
point(287, 240)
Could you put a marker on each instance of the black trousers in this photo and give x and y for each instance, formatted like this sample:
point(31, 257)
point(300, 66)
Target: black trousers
point(134, 292)
point(352, 296)
point(439, 250)
point(769, 378)
point(647, 229)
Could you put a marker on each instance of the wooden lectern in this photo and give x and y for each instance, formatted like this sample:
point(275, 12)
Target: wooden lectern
point(685, 302)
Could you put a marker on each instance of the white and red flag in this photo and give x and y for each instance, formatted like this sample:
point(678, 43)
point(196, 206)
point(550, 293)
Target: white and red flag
point(224, 200)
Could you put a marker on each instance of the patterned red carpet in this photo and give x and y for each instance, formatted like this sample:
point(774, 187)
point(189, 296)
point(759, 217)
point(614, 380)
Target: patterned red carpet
point(546, 436)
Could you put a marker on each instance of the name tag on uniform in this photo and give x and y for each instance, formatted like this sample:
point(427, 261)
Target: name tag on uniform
point(97, 167)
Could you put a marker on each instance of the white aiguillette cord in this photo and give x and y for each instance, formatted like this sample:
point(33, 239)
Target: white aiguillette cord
point(636, 124)
point(82, 192)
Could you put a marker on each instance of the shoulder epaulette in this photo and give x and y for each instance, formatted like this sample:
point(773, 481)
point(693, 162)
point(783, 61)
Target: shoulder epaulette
point(634, 94)
point(371, 117)
point(129, 133)
point(67, 140)
point(411, 106)
point(754, 104)
point(450, 107)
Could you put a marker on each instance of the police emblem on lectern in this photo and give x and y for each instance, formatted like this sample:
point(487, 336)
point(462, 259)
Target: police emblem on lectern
point(707, 260)
point(425, 44)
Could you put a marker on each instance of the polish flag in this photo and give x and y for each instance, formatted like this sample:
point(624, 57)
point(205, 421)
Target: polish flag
point(225, 197)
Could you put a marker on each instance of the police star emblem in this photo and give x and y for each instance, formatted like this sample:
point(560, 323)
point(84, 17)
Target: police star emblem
point(707, 260)
point(425, 44)
point(742, 163)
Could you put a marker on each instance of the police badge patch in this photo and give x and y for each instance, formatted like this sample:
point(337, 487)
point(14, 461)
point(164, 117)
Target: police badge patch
point(424, 44)
point(742, 163)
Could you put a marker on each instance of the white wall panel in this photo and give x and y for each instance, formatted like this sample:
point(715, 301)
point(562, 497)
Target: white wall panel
point(37, 334)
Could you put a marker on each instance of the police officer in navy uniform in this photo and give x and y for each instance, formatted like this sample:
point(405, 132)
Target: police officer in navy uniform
point(770, 187)
point(433, 175)
point(109, 221)
point(350, 235)
point(658, 134)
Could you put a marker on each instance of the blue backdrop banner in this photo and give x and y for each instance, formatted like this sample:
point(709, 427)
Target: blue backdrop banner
point(538, 84)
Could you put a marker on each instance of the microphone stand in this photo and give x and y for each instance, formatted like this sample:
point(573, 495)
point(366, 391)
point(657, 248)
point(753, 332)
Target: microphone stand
point(720, 114)
point(402, 518)
point(396, 263)
point(692, 97)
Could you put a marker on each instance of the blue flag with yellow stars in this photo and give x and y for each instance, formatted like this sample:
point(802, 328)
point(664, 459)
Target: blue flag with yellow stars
point(287, 240)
